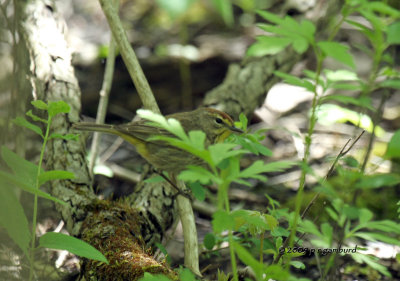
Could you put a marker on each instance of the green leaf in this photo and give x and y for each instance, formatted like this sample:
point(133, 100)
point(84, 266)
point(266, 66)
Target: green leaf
point(297, 264)
point(378, 180)
point(378, 25)
point(222, 221)
point(364, 29)
point(55, 175)
point(58, 107)
point(188, 146)
point(332, 213)
point(198, 191)
point(200, 174)
point(12, 217)
point(277, 272)
point(248, 259)
point(24, 170)
point(64, 137)
point(24, 186)
point(35, 117)
point(327, 232)
point(59, 241)
point(364, 102)
point(365, 215)
point(154, 179)
point(293, 80)
point(275, 30)
point(351, 212)
point(307, 28)
point(341, 75)
point(243, 121)
point(221, 151)
point(224, 7)
point(268, 45)
point(372, 262)
point(271, 221)
point(382, 8)
point(150, 277)
point(171, 125)
point(308, 226)
point(289, 32)
point(278, 166)
point(252, 144)
point(384, 226)
point(262, 149)
point(278, 242)
point(300, 45)
point(254, 171)
point(391, 83)
point(186, 275)
point(20, 121)
point(393, 148)
point(393, 33)
point(197, 139)
point(371, 236)
point(279, 232)
point(337, 51)
point(209, 241)
point(164, 251)
point(253, 219)
point(175, 8)
point(259, 167)
point(39, 104)
point(270, 17)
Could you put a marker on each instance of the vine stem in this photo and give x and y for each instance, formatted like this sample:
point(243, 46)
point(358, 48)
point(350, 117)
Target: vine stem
point(289, 241)
point(224, 189)
point(35, 201)
point(308, 141)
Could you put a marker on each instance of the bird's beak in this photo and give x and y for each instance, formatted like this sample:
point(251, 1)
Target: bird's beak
point(237, 130)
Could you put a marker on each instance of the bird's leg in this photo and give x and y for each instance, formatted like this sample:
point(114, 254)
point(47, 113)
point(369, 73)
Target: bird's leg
point(186, 193)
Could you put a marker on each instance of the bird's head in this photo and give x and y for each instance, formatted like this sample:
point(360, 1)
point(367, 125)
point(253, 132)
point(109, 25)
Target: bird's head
point(217, 124)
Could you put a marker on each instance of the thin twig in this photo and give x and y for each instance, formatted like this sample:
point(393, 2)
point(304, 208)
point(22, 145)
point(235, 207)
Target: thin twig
point(179, 192)
point(111, 149)
point(129, 57)
point(376, 119)
point(104, 95)
point(149, 102)
point(342, 153)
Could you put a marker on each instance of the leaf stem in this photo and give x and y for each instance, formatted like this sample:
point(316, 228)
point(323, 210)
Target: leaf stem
point(223, 188)
point(35, 201)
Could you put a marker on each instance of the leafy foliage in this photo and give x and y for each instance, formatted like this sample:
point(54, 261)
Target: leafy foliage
point(30, 177)
point(382, 31)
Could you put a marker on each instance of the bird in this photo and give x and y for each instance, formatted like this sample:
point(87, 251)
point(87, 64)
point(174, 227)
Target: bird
point(216, 125)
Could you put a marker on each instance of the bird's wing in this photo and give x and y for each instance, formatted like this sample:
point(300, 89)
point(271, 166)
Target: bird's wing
point(142, 131)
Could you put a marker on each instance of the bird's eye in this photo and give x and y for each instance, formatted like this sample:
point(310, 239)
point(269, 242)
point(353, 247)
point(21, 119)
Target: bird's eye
point(218, 120)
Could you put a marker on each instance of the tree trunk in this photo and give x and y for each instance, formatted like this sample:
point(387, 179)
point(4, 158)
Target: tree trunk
point(123, 233)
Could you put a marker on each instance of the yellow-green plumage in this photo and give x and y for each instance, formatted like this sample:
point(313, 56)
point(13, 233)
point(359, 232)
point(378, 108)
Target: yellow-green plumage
point(216, 124)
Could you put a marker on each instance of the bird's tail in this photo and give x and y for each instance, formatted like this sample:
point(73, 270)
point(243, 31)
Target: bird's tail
point(86, 126)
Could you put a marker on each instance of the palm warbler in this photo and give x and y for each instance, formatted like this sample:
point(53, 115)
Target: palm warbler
point(217, 126)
